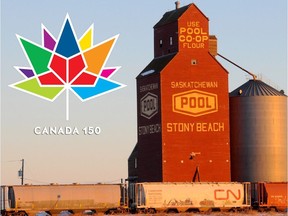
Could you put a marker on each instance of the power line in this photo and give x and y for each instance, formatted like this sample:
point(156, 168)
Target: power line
point(10, 161)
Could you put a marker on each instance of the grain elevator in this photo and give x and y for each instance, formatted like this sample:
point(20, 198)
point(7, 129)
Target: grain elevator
point(182, 105)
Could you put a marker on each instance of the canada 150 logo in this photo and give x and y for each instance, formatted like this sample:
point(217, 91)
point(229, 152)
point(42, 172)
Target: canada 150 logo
point(67, 64)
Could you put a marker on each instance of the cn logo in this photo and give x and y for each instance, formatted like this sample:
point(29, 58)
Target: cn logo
point(195, 103)
point(226, 194)
point(149, 105)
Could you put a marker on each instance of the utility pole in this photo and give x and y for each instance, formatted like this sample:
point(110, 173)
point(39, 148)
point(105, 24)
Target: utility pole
point(21, 172)
point(22, 177)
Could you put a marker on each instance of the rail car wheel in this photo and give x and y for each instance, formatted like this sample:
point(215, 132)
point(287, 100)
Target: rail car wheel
point(21, 213)
point(151, 211)
point(121, 211)
point(111, 211)
point(141, 211)
point(233, 210)
point(214, 210)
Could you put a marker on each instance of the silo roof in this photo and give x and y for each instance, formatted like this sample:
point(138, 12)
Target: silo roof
point(256, 88)
point(156, 65)
point(171, 16)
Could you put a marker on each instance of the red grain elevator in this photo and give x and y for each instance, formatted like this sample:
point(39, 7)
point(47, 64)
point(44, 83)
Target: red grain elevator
point(182, 105)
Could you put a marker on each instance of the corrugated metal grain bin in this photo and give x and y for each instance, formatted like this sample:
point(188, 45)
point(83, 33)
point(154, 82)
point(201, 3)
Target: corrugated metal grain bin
point(258, 124)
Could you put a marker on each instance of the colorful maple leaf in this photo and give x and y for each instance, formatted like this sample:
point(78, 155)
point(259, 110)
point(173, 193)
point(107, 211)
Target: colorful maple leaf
point(67, 64)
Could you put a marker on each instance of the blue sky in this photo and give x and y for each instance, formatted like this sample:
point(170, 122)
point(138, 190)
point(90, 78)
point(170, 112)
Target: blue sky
point(251, 33)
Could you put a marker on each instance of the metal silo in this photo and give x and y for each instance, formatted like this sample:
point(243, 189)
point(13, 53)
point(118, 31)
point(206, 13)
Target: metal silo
point(258, 125)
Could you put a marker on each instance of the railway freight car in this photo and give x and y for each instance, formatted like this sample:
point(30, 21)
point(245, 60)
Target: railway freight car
point(53, 199)
point(189, 197)
point(268, 196)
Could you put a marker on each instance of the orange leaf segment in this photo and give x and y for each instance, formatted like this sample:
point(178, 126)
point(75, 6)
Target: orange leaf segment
point(96, 57)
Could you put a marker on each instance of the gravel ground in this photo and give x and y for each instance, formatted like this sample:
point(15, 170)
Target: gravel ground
point(252, 213)
point(219, 214)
